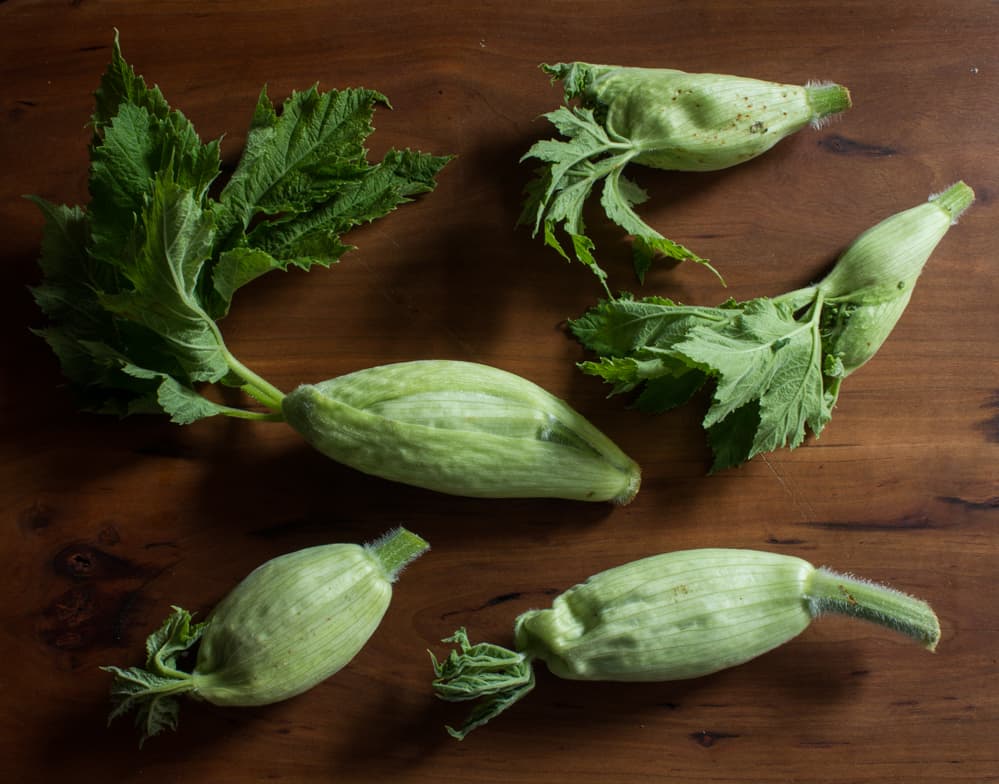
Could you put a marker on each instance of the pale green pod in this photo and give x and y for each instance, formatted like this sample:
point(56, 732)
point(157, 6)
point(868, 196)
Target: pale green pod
point(683, 121)
point(885, 261)
point(868, 289)
point(657, 117)
point(461, 428)
point(854, 333)
point(669, 617)
point(290, 624)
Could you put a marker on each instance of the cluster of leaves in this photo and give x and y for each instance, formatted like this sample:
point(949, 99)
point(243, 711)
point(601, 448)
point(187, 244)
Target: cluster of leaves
point(572, 167)
point(772, 374)
point(152, 691)
point(490, 675)
point(135, 283)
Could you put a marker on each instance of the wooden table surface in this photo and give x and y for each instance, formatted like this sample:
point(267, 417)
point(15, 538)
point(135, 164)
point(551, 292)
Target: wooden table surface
point(106, 523)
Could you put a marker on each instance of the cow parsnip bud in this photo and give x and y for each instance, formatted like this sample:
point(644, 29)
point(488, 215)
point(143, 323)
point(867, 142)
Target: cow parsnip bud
point(885, 261)
point(657, 117)
point(683, 121)
point(869, 288)
point(461, 428)
point(669, 617)
point(290, 624)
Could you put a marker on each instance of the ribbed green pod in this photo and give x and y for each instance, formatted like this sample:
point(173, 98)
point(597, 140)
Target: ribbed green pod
point(885, 261)
point(668, 617)
point(290, 624)
point(658, 117)
point(869, 288)
point(697, 121)
point(461, 428)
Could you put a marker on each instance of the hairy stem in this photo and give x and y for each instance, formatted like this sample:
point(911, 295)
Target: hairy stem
point(258, 416)
point(955, 200)
point(829, 591)
point(396, 549)
point(257, 387)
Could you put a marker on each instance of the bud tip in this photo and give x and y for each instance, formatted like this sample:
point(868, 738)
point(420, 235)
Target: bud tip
point(954, 200)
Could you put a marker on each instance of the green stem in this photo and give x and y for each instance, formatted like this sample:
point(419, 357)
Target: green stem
point(826, 99)
point(258, 416)
point(798, 298)
point(955, 200)
point(396, 549)
point(261, 389)
point(828, 591)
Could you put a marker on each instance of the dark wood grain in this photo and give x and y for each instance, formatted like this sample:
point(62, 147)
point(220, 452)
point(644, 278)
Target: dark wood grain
point(106, 523)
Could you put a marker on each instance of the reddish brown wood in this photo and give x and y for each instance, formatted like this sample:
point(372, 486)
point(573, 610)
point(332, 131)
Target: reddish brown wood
point(107, 523)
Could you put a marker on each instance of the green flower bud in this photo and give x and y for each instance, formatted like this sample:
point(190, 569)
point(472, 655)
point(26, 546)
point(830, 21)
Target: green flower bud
point(867, 291)
point(290, 624)
point(884, 262)
point(669, 617)
point(697, 121)
point(461, 428)
point(658, 117)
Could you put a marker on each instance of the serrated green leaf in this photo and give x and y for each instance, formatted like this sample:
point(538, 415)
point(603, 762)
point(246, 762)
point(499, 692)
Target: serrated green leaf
point(732, 440)
point(134, 284)
point(551, 240)
point(137, 149)
point(674, 387)
point(765, 361)
point(121, 86)
point(184, 404)
point(581, 127)
point(764, 355)
point(621, 372)
point(665, 382)
point(313, 236)
point(64, 239)
point(574, 80)
point(164, 271)
point(96, 372)
point(131, 686)
point(490, 674)
point(559, 190)
point(294, 159)
point(618, 198)
point(177, 635)
point(303, 182)
point(153, 691)
point(618, 203)
point(236, 268)
point(623, 326)
point(67, 294)
point(745, 354)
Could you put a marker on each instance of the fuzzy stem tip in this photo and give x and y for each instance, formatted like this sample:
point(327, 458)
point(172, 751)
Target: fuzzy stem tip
point(955, 200)
point(396, 549)
point(826, 99)
point(829, 591)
